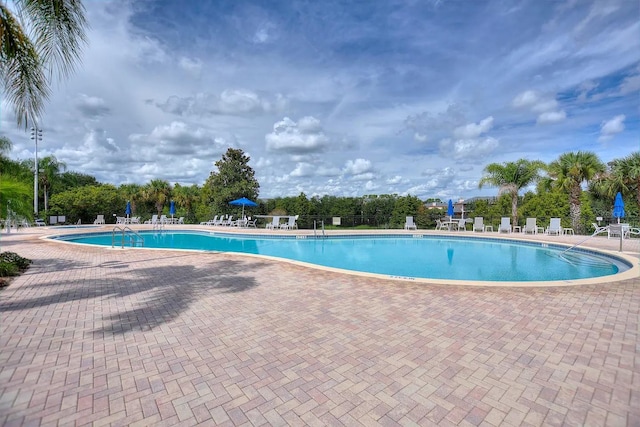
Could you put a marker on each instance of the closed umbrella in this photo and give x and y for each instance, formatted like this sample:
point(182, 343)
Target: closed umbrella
point(450, 210)
point(243, 202)
point(172, 209)
point(618, 207)
point(127, 210)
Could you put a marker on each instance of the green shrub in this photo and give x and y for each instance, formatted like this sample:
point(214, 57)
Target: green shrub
point(11, 263)
point(8, 269)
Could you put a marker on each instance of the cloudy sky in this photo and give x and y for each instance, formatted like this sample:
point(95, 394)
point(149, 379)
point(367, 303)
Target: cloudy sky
point(344, 98)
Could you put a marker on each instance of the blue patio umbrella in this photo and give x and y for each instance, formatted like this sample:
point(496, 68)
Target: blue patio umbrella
point(450, 209)
point(127, 210)
point(172, 208)
point(618, 207)
point(243, 202)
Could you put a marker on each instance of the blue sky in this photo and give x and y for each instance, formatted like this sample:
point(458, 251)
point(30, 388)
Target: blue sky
point(344, 98)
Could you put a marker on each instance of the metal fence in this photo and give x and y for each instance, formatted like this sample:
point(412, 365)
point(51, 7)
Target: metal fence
point(429, 222)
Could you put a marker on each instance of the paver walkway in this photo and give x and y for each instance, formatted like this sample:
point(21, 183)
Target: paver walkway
point(109, 337)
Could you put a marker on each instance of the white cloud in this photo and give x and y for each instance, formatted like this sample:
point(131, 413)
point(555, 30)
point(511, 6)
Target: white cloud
point(528, 98)
point(232, 102)
point(357, 167)
point(551, 117)
point(474, 150)
point(473, 130)
point(303, 169)
point(91, 106)
point(611, 127)
point(363, 176)
point(191, 66)
point(544, 105)
point(296, 138)
point(630, 84)
point(420, 137)
point(97, 138)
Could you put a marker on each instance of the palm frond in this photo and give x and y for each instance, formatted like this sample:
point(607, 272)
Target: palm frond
point(59, 32)
point(21, 70)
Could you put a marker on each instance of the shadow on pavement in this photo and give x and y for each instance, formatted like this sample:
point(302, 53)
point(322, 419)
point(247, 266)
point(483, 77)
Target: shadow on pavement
point(171, 290)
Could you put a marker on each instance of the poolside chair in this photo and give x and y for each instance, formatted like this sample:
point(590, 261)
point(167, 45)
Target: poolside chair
point(554, 227)
point(99, 220)
point(462, 225)
point(153, 220)
point(597, 229)
point(250, 222)
point(40, 222)
point(505, 225)
point(275, 223)
point(614, 230)
point(409, 224)
point(440, 225)
point(291, 224)
point(180, 220)
point(478, 224)
point(531, 226)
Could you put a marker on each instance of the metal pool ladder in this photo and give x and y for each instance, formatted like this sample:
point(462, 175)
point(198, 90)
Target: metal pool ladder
point(314, 230)
point(127, 236)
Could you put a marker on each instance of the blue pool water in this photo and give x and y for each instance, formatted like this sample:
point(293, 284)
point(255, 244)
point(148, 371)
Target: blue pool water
point(430, 257)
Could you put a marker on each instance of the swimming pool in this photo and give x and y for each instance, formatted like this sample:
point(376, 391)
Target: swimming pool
point(399, 256)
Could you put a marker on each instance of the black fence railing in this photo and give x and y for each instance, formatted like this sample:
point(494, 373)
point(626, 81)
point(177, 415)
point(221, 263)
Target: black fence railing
point(364, 221)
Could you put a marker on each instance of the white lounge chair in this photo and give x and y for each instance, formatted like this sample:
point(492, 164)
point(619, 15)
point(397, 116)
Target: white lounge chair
point(441, 225)
point(180, 220)
point(153, 220)
point(554, 227)
point(597, 229)
point(505, 225)
point(275, 223)
point(409, 224)
point(614, 230)
point(531, 226)
point(251, 222)
point(462, 225)
point(478, 224)
point(290, 224)
point(99, 220)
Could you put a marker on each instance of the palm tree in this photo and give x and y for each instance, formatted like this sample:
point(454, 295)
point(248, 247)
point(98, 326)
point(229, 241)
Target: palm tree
point(58, 35)
point(15, 198)
point(186, 197)
point(569, 172)
point(133, 193)
point(510, 178)
point(50, 168)
point(5, 145)
point(158, 191)
point(624, 176)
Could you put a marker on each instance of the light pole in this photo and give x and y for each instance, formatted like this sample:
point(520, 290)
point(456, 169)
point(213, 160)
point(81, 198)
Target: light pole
point(36, 135)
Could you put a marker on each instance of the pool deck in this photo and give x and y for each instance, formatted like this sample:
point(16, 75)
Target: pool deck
point(97, 336)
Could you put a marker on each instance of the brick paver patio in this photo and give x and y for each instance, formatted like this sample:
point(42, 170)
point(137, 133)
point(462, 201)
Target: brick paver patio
point(141, 337)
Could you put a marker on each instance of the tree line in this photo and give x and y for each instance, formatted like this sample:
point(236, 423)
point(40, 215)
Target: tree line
point(576, 187)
